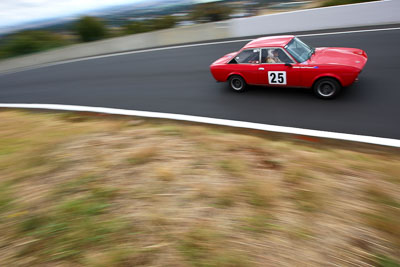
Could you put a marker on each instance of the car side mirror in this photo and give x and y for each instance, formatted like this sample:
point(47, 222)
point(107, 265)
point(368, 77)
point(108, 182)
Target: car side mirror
point(288, 65)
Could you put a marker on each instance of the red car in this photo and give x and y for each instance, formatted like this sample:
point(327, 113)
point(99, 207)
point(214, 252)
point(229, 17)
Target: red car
point(286, 61)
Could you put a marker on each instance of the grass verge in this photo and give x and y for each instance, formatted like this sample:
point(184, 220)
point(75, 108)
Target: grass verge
point(81, 189)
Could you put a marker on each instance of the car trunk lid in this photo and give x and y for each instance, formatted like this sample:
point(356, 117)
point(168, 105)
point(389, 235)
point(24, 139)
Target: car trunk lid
point(224, 59)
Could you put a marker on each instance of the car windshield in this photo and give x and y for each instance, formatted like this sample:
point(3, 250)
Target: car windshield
point(299, 50)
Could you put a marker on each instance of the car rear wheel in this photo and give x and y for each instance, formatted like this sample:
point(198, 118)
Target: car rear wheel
point(327, 88)
point(237, 83)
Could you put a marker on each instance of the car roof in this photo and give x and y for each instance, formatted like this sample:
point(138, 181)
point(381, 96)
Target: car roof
point(271, 41)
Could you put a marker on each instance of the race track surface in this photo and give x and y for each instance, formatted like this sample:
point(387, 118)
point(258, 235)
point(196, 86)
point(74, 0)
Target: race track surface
point(179, 81)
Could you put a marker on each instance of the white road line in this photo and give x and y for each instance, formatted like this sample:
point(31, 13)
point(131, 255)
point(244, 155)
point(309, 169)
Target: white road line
point(181, 46)
point(232, 123)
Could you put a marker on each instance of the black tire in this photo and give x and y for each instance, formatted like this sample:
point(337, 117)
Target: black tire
point(237, 83)
point(327, 88)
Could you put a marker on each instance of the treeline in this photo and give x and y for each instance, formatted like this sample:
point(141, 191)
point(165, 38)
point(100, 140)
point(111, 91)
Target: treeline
point(164, 22)
point(88, 29)
point(27, 42)
point(343, 2)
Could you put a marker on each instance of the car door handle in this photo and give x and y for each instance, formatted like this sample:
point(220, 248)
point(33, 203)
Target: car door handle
point(260, 68)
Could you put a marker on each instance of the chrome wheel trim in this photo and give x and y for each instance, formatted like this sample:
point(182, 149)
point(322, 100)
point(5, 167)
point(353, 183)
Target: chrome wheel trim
point(236, 84)
point(326, 89)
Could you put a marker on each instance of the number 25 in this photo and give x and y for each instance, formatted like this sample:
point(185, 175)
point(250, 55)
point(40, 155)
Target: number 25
point(274, 76)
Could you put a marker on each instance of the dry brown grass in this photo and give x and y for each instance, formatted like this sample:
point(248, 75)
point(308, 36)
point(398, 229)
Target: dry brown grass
point(86, 190)
point(165, 173)
point(142, 155)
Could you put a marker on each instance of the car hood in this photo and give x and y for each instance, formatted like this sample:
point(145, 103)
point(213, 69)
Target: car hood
point(339, 56)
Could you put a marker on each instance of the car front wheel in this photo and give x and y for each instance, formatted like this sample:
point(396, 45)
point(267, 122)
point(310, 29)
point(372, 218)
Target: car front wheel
point(326, 88)
point(237, 83)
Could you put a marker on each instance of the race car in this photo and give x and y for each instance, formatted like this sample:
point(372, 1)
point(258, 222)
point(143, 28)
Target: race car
point(286, 61)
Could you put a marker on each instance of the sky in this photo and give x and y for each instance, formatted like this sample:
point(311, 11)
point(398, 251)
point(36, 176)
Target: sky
point(14, 12)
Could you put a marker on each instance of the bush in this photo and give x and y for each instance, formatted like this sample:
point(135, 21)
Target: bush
point(90, 29)
point(29, 42)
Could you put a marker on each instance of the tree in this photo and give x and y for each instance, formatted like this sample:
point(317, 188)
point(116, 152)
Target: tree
point(150, 25)
point(163, 23)
point(211, 12)
point(90, 29)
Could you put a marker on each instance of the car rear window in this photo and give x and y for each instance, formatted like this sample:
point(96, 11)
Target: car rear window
point(250, 56)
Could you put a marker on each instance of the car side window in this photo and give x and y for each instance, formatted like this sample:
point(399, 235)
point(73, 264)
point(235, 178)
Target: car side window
point(250, 56)
point(274, 56)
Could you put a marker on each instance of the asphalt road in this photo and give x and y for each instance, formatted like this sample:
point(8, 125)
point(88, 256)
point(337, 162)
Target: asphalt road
point(179, 81)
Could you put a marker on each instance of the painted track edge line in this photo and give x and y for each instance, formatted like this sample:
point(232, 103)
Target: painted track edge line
point(232, 123)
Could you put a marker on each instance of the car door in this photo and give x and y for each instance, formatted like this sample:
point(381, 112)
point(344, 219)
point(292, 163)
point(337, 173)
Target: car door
point(277, 68)
point(247, 65)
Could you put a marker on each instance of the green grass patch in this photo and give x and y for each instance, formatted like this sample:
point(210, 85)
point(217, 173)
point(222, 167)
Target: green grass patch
point(299, 233)
point(5, 198)
point(234, 167)
point(258, 223)
point(70, 228)
point(124, 256)
point(226, 197)
point(377, 195)
point(296, 176)
point(308, 200)
point(79, 184)
point(172, 130)
point(385, 261)
point(259, 194)
point(73, 117)
point(202, 247)
point(385, 216)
